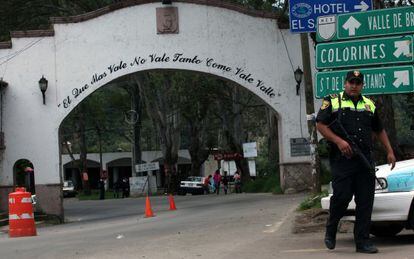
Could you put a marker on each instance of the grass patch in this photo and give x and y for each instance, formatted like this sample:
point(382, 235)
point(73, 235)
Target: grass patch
point(263, 184)
point(95, 195)
point(312, 202)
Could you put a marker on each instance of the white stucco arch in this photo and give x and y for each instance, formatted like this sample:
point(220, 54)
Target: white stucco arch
point(78, 49)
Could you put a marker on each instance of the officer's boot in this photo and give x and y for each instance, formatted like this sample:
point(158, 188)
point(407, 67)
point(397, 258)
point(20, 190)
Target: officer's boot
point(366, 248)
point(330, 236)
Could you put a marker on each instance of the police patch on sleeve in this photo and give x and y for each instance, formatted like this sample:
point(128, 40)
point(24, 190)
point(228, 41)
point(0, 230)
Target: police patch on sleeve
point(325, 104)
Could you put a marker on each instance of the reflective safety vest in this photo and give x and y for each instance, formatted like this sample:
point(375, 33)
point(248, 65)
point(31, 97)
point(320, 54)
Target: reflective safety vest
point(356, 119)
point(365, 105)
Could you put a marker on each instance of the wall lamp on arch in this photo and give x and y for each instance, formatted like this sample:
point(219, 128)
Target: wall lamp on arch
point(298, 77)
point(43, 87)
point(3, 84)
point(166, 1)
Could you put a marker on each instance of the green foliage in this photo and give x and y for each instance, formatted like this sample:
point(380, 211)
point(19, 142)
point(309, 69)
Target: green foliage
point(325, 174)
point(268, 177)
point(105, 115)
point(323, 148)
point(95, 195)
point(264, 184)
point(35, 14)
point(313, 201)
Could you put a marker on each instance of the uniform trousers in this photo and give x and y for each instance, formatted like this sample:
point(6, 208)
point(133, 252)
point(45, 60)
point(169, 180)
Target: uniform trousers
point(350, 178)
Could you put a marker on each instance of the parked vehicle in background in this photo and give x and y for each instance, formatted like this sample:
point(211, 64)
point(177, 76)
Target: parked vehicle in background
point(193, 185)
point(69, 189)
point(394, 200)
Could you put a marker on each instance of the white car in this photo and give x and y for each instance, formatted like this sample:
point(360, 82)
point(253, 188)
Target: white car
point(393, 204)
point(193, 185)
point(68, 189)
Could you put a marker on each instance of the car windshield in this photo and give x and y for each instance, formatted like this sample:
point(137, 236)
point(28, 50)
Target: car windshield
point(195, 179)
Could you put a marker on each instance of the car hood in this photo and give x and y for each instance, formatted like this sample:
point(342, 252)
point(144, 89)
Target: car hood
point(401, 178)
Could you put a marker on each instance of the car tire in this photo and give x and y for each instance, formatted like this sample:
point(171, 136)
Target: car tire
point(386, 230)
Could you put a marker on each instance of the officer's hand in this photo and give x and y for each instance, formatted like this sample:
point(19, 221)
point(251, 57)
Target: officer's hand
point(345, 148)
point(391, 159)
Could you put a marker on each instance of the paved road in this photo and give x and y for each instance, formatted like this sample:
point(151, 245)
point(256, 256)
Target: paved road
point(234, 226)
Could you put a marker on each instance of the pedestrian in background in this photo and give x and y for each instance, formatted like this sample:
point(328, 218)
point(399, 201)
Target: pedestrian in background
point(101, 189)
point(217, 181)
point(225, 182)
point(212, 185)
point(125, 186)
point(237, 181)
point(117, 187)
point(206, 184)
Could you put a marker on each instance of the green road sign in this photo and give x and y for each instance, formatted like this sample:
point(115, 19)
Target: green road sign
point(367, 52)
point(389, 21)
point(384, 80)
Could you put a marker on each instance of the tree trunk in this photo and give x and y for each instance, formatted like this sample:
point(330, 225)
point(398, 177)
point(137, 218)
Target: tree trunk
point(166, 120)
point(197, 148)
point(273, 137)
point(237, 135)
point(386, 110)
point(137, 107)
point(83, 150)
point(386, 113)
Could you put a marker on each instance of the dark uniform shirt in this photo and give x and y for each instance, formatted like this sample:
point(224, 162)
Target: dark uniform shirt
point(358, 124)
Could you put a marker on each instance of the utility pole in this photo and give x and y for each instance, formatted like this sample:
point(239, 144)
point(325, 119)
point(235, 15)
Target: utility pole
point(310, 110)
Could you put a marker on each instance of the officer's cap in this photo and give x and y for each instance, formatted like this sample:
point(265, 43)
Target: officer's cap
point(355, 76)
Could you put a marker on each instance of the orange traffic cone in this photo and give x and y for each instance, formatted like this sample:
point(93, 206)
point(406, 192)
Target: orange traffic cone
point(172, 203)
point(148, 210)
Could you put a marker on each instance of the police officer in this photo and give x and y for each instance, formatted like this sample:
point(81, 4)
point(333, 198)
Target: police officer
point(350, 176)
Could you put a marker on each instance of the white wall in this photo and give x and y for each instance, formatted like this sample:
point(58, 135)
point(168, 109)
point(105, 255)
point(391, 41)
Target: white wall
point(79, 50)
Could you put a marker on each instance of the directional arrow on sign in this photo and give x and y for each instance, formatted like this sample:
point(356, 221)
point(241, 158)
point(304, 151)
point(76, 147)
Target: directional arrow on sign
point(351, 25)
point(402, 47)
point(378, 80)
point(362, 6)
point(401, 77)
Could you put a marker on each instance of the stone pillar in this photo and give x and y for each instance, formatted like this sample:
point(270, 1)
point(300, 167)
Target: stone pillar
point(295, 177)
point(4, 197)
point(50, 199)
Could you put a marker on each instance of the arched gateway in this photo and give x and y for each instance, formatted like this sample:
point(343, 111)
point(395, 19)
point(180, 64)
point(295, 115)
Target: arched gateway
point(82, 53)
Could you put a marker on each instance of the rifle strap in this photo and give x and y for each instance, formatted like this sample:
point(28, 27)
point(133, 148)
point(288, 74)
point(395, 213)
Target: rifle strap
point(340, 108)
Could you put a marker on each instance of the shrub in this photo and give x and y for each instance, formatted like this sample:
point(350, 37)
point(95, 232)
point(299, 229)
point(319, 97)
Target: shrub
point(313, 201)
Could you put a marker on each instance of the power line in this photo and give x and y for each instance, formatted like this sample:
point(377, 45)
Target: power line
point(15, 54)
point(287, 51)
point(293, 70)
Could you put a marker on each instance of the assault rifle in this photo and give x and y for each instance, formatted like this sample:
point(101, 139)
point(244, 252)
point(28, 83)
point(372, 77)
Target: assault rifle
point(355, 147)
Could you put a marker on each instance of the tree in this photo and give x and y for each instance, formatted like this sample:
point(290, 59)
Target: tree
point(385, 102)
point(231, 104)
point(195, 107)
point(157, 92)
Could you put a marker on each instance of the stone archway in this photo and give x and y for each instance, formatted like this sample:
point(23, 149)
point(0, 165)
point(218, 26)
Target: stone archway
point(24, 175)
point(83, 53)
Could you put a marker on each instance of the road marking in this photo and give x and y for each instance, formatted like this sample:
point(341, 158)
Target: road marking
point(275, 227)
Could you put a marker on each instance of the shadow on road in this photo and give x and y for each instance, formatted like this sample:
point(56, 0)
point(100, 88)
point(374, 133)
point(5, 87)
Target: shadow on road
point(402, 239)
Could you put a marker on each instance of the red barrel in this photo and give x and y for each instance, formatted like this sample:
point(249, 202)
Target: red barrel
point(21, 217)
